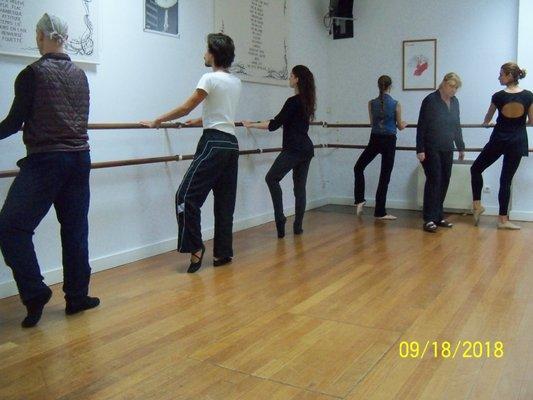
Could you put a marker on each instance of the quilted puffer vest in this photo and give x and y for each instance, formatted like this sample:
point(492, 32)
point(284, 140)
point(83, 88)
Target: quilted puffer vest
point(60, 109)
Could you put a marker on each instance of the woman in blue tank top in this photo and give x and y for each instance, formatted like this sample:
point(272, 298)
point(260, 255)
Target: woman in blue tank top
point(385, 117)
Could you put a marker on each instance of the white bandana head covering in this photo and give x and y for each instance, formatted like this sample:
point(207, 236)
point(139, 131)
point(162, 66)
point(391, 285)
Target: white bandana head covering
point(54, 28)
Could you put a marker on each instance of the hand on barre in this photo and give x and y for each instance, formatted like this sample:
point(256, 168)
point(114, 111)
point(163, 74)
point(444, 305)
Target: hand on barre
point(156, 123)
point(488, 124)
point(255, 124)
point(197, 122)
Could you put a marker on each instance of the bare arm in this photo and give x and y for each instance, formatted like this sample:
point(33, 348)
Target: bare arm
point(190, 104)
point(530, 116)
point(256, 125)
point(489, 115)
point(194, 122)
point(370, 117)
point(399, 123)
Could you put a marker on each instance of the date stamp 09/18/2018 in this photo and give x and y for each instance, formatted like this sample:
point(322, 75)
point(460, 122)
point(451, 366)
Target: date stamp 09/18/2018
point(465, 349)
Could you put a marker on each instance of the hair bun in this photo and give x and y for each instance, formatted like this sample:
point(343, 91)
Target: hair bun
point(58, 37)
point(522, 73)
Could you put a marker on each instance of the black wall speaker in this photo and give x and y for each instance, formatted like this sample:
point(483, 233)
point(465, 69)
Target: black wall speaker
point(339, 9)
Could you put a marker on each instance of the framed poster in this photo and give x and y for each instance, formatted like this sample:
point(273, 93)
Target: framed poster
point(420, 64)
point(161, 16)
point(18, 20)
point(259, 30)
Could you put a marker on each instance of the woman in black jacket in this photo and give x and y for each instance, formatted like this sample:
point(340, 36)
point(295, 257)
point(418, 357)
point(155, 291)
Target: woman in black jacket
point(439, 126)
point(298, 148)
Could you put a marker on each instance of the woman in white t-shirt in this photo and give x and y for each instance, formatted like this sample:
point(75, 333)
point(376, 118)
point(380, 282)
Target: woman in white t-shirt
point(215, 163)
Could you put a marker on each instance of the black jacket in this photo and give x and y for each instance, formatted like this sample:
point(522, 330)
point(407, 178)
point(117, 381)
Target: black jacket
point(439, 126)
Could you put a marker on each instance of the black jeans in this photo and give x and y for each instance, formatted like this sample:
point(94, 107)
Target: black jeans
point(438, 170)
point(281, 167)
point(511, 160)
point(378, 144)
point(45, 179)
point(214, 167)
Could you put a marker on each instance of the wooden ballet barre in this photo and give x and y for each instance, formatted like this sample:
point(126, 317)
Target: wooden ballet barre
point(180, 125)
point(154, 160)
point(350, 125)
point(166, 125)
point(401, 148)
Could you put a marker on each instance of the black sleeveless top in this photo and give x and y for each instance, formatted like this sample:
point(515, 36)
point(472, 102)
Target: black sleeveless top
point(511, 132)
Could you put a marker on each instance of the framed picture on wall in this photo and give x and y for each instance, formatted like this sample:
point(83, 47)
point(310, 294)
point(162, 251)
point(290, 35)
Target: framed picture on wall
point(420, 64)
point(161, 16)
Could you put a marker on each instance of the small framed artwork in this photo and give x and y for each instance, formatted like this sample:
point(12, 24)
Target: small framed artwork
point(420, 64)
point(161, 16)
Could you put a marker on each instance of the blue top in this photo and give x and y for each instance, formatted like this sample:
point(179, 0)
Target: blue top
point(383, 117)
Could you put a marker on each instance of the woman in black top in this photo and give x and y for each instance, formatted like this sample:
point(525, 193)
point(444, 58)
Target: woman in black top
point(509, 138)
point(298, 148)
point(439, 127)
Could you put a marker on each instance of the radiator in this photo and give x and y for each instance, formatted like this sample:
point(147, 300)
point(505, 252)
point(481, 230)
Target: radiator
point(459, 197)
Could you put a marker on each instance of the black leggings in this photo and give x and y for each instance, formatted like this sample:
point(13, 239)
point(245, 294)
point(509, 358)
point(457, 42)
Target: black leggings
point(386, 146)
point(490, 153)
point(283, 164)
point(438, 169)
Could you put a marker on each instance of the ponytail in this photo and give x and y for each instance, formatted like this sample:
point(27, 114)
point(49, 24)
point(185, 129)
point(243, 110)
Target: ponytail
point(384, 83)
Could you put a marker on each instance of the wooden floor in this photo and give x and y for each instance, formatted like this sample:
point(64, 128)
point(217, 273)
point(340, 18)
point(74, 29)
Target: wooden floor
point(318, 317)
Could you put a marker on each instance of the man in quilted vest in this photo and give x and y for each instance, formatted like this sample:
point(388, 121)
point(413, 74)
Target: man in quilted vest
point(52, 102)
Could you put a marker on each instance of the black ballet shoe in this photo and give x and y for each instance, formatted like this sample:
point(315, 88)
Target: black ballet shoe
point(444, 223)
point(218, 262)
point(280, 227)
point(297, 229)
point(34, 308)
point(195, 266)
point(430, 227)
point(79, 305)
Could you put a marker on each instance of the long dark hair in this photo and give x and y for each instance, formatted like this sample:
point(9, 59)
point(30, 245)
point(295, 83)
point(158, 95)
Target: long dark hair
point(306, 89)
point(384, 83)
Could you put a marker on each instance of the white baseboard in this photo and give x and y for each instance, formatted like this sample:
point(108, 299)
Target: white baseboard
point(407, 205)
point(521, 215)
point(55, 275)
point(398, 204)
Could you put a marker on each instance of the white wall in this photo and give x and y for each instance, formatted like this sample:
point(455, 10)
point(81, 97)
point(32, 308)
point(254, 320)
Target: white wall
point(523, 190)
point(140, 76)
point(474, 39)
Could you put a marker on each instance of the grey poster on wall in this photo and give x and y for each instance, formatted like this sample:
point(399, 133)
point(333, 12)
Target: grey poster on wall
point(259, 29)
point(18, 19)
point(161, 16)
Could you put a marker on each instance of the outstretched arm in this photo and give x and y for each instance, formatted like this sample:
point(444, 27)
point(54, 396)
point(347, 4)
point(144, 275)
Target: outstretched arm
point(489, 115)
point(284, 115)
point(399, 123)
point(256, 125)
point(190, 104)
